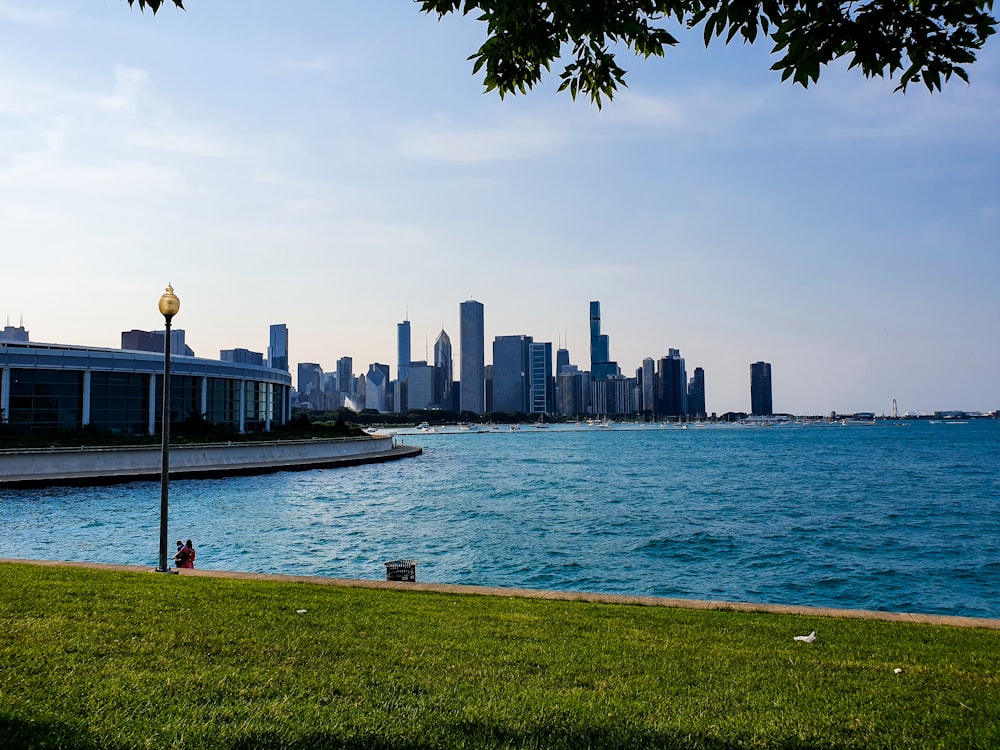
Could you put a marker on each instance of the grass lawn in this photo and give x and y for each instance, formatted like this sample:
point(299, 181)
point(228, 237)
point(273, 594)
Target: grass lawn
point(99, 659)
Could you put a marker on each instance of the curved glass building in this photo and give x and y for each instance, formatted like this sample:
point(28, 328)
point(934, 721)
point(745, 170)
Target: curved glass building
point(57, 386)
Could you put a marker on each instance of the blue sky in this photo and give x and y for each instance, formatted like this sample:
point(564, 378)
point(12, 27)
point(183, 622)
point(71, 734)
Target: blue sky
point(335, 166)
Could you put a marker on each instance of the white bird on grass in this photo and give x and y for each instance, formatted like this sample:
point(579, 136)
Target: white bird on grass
point(806, 638)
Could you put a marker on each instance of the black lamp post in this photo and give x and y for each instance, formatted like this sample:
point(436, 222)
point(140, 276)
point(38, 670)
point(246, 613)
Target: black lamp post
point(169, 306)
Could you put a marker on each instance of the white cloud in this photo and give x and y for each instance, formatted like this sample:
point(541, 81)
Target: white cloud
point(511, 140)
point(129, 86)
point(184, 139)
point(32, 16)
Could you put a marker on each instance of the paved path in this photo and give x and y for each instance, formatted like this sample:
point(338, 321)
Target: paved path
point(645, 601)
point(206, 471)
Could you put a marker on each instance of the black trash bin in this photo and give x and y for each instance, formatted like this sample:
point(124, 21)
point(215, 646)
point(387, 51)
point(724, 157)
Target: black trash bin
point(401, 570)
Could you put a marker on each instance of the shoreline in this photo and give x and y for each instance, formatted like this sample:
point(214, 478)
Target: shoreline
point(552, 595)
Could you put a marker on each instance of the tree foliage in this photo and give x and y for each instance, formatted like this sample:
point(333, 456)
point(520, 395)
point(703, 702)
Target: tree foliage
point(927, 41)
point(154, 5)
point(924, 41)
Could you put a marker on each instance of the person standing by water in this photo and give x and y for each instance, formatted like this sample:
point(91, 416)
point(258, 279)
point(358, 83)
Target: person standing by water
point(181, 556)
point(185, 554)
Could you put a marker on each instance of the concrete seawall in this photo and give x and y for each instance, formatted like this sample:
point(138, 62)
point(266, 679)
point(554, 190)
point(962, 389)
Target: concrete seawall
point(95, 466)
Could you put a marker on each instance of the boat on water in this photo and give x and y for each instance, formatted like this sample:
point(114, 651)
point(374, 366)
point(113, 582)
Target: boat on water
point(540, 424)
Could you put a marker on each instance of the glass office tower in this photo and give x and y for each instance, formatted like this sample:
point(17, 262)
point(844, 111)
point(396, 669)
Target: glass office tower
point(277, 350)
point(472, 340)
point(760, 389)
point(403, 350)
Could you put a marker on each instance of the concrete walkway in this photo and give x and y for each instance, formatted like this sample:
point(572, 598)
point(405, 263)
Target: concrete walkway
point(55, 476)
point(643, 601)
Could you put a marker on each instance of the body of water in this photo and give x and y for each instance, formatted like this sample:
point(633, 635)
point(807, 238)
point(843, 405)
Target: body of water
point(895, 516)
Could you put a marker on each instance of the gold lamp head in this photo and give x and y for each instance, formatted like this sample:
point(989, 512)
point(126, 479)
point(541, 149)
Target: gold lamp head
point(169, 304)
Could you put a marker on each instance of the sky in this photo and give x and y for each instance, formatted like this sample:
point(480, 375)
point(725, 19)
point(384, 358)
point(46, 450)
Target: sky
point(337, 167)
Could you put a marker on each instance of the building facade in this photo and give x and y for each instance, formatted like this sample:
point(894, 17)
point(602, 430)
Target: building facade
point(277, 350)
point(241, 356)
point(601, 366)
point(510, 374)
point(152, 341)
point(671, 386)
point(446, 373)
point(47, 387)
point(696, 394)
point(472, 342)
point(541, 384)
point(760, 389)
point(421, 386)
point(403, 350)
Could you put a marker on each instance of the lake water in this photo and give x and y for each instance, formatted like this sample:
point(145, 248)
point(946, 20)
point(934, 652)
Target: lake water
point(895, 516)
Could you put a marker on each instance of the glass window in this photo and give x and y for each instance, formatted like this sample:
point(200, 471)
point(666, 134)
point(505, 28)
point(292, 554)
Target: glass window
point(46, 399)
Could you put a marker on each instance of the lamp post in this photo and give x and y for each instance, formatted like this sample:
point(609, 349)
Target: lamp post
point(169, 306)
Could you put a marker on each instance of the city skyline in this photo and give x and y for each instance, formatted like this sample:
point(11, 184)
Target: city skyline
point(340, 165)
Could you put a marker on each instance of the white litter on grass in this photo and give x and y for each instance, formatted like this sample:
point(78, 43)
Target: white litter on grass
point(300, 611)
point(806, 638)
point(897, 670)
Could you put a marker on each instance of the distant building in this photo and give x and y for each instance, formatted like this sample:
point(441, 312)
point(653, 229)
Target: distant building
point(403, 350)
point(241, 357)
point(17, 335)
point(152, 341)
point(541, 385)
point(310, 384)
point(562, 359)
point(671, 385)
point(277, 351)
point(613, 396)
point(420, 386)
point(574, 389)
point(510, 374)
point(696, 394)
point(345, 376)
point(376, 385)
point(760, 389)
point(647, 383)
point(601, 366)
point(446, 373)
point(472, 340)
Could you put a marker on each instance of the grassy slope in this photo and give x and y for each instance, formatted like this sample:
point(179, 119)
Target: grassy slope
point(118, 660)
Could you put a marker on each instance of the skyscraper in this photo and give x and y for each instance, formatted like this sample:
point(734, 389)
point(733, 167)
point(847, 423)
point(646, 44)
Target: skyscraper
point(446, 374)
point(541, 385)
point(403, 350)
point(562, 359)
point(696, 394)
point(671, 385)
point(760, 389)
point(376, 385)
point(510, 373)
point(345, 375)
point(277, 350)
point(420, 386)
point(601, 366)
point(649, 385)
point(310, 383)
point(472, 338)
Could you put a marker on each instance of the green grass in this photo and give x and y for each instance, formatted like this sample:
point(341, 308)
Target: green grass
point(99, 659)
